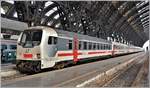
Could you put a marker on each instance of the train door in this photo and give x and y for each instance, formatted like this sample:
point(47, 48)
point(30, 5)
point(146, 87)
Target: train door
point(52, 49)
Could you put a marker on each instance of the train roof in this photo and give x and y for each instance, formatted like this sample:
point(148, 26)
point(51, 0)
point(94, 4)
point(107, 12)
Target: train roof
point(62, 33)
point(70, 35)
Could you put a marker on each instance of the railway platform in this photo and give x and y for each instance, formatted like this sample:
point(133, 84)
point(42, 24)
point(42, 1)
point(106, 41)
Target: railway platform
point(134, 75)
point(75, 76)
point(8, 69)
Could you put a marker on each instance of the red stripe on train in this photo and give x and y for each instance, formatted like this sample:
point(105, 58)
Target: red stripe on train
point(97, 52)
point(67, 54)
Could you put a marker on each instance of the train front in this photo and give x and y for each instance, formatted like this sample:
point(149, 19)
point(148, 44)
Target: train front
point(29, 50)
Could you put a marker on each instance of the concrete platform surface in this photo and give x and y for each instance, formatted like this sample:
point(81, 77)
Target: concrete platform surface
point(67, 76)
point(8, 70)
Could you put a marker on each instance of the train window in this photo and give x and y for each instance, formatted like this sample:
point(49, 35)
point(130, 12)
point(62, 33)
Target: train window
point(37, 36)
point(79, 44)
point(97, 46)
point(24, 37)
point(103, 46)
point(13, 47)
point(90, 45)
point(107, 46)
point(55, 40)
point(85, 45)
point(70, 44)
point(50, 40)
point(31, 38)
point(100, 46)
point(94, 45)
point(4, 47)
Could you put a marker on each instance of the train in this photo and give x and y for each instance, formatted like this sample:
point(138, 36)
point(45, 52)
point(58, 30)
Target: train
point(41, 47)
point(8, 51)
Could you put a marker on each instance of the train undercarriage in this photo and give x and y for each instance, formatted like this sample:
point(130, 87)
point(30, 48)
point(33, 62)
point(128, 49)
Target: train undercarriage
point(28, 66)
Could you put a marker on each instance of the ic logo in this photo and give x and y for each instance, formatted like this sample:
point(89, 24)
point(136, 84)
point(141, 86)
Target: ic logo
point(28, 50)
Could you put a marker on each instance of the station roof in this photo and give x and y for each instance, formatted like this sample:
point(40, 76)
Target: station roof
point(125, 21)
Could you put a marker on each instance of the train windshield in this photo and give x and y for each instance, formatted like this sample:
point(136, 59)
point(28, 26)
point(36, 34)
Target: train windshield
point(31, 38)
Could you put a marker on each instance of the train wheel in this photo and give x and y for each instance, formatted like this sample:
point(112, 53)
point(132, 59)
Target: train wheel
point(59, 66)
point(37, 68)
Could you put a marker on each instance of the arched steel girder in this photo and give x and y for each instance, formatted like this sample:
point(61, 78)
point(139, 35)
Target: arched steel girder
point(109, 17)
point(138, 34)
point(8, 8)
point(145, 19)
point(126, 25)
point(126, 29)
point(134, 9)
point(126, 7)
point(136, 16)
point(146, 26)
point(144, 10)
point(144, 22)
point(132, 12)
point(122, 9)
point(11, 11)
point(55, 22)
point(114, 17)
point(144, 5)
point(144, 16)
point(137, 20)
point(117, 4)
point(50, 17)
point(48, 8)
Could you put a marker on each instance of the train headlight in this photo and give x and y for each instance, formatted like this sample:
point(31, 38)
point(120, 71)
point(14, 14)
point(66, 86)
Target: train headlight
point(38, 56)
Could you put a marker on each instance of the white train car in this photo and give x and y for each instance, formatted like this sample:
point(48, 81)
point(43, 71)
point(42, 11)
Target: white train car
point(43, 47)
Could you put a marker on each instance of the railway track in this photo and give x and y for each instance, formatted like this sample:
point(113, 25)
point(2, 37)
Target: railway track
point(142, 76)
point(126, 78)
point(75, 81)
point(130, 76)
